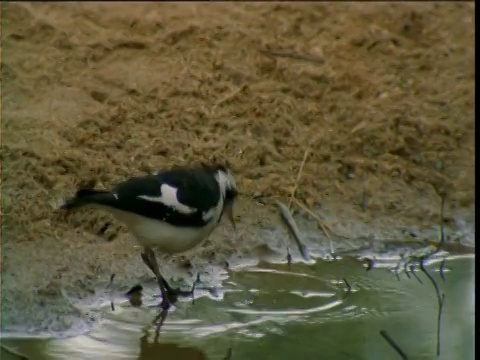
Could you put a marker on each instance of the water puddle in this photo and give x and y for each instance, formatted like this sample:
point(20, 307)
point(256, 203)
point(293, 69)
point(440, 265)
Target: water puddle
point(273, 311)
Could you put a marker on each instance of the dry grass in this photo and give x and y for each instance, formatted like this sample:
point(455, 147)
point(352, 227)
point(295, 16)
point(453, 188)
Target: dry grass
point(91, 93)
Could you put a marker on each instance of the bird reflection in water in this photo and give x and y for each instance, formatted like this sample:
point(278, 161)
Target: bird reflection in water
point(155, 350)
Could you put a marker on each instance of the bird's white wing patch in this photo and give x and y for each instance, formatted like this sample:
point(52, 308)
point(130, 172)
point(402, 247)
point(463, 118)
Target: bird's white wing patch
point(169, 198)
point(209, 214)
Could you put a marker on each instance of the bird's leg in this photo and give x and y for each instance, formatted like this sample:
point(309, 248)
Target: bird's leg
point(170, 290)
point(174, 293)
point(146, 260)
point(150, 260)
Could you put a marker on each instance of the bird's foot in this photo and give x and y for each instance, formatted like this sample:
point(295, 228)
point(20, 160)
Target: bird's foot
point(173, 294)
point(166, 303)
point(171, 297)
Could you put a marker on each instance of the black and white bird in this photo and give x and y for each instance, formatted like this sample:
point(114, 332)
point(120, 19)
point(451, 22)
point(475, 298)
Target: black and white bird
point(172, 210)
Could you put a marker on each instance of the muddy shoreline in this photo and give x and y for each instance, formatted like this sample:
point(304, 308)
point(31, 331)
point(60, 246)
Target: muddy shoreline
point(55, 306)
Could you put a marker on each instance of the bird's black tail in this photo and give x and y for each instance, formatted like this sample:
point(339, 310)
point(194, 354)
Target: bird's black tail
point(85, 197)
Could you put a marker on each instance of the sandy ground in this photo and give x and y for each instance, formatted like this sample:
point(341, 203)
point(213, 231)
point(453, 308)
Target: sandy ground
point(380, 95)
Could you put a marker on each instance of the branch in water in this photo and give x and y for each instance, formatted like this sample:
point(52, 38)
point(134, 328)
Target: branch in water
point(291, 225)
point(413, 267)
point(393, 344)
point(440, 300)
point(370, 263)
point(110, 284)
point(406, 269)
point(349, 288)
point(442, 268)
point(197, 281)
point(229, 354)
point(14, 353)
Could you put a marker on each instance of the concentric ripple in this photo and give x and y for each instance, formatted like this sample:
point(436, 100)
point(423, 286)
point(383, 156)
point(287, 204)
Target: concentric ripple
point(266, 305)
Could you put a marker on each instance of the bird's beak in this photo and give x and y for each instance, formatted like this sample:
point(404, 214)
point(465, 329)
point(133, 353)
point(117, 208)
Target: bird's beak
point(229, 212)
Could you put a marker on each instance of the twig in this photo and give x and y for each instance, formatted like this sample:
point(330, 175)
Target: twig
point(229, 354)
point(197, 281)
point(370, 264)
point(291, 55)
point(411, 264)
point(110, 284)
point(412, 270)
point(230, 96)
point(442, 268)
point(289, 257)
point(316, 217)
point(349, 288)
point(319, 221)
point(397, 268)
point(440, 296)
point(442, 226)
point(13, 352)
point(293, 229)
point(439, 322)
point(440, 299)
point(393, 344)
point(405, 268)
point(285, 213)
point(364, 200)
point(299, 175)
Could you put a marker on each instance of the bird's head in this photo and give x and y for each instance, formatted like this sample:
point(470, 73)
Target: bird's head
point(228, 189)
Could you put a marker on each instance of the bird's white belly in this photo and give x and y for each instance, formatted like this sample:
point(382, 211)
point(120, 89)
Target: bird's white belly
point(157, 234)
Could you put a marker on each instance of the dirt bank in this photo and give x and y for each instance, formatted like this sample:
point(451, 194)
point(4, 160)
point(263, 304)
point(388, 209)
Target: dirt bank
point(381, 94)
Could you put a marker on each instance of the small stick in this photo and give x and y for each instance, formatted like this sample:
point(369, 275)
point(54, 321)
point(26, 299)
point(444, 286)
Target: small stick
point(440, 299)
point(319, 221)
point(349, 288)
point(291, 55)
point(293, 229)
point(442, 226)
point(289, 257)
point(439, 322)
point(405, 267)
point(197, 280)
point(370, 264)
point(229, 354)
point(230, 96)
point(364, 200)
point(397, 269)
point(393, 344)
point(412, 270)
point(286, 216)
point(13, 352)
point(442, 268)
point(299, 175)
point(110, 284)
point(315, 216)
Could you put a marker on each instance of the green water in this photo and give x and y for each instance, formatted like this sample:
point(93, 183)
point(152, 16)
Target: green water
point(276, 312)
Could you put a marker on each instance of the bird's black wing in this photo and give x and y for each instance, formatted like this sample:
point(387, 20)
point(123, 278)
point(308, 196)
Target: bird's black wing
point(196, 188)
